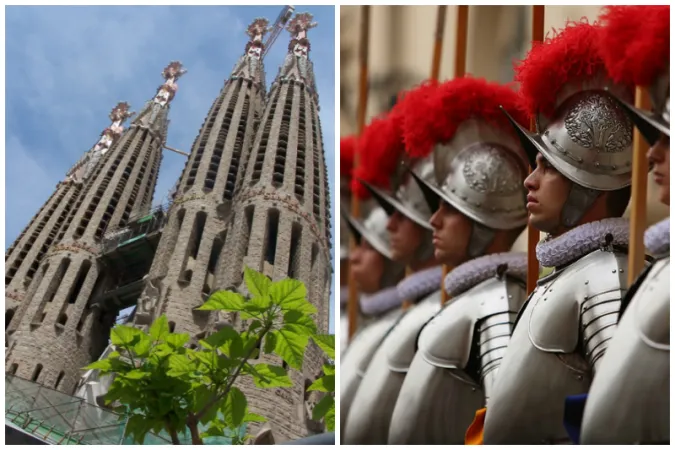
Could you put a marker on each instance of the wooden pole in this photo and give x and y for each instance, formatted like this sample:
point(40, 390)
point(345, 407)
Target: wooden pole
point(438, 44)
point(532, 232)
point(638, 194)
point(460, 70)
point(352, 305)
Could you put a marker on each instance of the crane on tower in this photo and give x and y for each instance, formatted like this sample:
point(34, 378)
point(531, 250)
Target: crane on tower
point(277, 28)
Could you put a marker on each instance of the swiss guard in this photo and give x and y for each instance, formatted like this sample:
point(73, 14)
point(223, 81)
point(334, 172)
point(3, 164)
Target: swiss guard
point(629, 399)
point(411, 243)
point(478, 204)
point(577, 192)
point(376, 275)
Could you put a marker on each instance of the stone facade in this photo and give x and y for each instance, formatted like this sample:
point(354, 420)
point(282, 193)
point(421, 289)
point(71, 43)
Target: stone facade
point(253, 192)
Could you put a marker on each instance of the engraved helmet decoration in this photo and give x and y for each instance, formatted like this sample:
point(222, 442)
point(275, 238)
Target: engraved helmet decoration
point(583, 131)
point(635, 46)
point(479, 165)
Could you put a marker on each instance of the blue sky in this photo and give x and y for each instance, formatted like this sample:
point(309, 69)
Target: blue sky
point(66, 67)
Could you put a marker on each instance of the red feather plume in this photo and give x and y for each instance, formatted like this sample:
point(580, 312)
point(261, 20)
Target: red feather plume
point(436, 119)
point(571, 54)
point(347, 152)
point(635, 42)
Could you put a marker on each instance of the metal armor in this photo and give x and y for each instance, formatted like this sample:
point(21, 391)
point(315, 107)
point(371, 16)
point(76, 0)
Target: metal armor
point(359, 355)
point(459, 354)
point(368, 421)
point(629, 399)
point(557, 344)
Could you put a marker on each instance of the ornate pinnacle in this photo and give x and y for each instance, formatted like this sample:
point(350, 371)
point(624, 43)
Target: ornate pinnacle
point(299, 25)
point(258, 28)
point(173, 71)
point(120, 113)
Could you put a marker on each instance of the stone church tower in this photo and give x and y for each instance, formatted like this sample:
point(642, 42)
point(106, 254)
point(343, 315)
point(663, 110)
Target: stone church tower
point(183, 272)
point(280, 221)
point(53, 339)
point(23, 257)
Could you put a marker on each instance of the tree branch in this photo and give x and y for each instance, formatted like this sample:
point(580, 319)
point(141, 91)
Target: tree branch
point(218, 398)
point(172, 432)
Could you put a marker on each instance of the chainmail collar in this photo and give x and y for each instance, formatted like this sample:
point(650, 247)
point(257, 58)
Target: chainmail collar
point(657, 238)
point(420, 284)
point(477, 270)
point(580, 241)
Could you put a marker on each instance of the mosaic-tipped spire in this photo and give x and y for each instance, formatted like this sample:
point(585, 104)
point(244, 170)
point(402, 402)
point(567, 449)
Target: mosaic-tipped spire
point(154, 113)
point(83, 168)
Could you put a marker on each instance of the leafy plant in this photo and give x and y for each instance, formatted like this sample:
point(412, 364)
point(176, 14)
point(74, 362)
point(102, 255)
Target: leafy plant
point(325, 409)
point(162, 385)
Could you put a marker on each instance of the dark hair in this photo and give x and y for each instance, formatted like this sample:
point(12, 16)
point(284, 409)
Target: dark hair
point(617, 201)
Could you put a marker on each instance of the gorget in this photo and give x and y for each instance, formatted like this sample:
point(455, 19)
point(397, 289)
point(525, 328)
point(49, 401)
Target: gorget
point(582, 240)
point(657, 238)
point(471, 273)
point(414, 287)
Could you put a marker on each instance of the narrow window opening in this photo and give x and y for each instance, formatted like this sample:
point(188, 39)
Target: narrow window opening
point(36, 372)
point(172, 326)
point(248, 217)
point(79, 282)
point(59, 379)
point(9, 314)
point(294, 257)
point(63, 318)
point(271, 238)
point(13, 368)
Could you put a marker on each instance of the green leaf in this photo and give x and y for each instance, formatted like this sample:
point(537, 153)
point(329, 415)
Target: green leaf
point(143, 346)
point(326, 342)
point(329, 418)
point(291, 347)
point(179, 365)
point(270, 342)
point(254, 326)
point(124, 335)
point(103, 365)
point(233, 348)
point(263, 302)
point(323, 384)
point(322, 408)
point(177, 340)
point(291, 295)
point(300, 323)
point(135, 375)
point(234, 408)
point(159, 328)
point(328, 369)
point(268, 376)
point(201, 397)
point(257, 283)
point(208, 358)
point(252, 417)
point(225, 334)
point(223, 301)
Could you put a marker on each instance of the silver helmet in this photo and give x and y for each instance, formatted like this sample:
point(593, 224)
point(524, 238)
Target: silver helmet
point(410, 201)
point(374, 230)
point(480, 172)
point(588, 140)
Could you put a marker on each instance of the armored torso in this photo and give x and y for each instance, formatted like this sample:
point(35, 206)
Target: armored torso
point(629, 400)
point(561, 335)
point(459, 352)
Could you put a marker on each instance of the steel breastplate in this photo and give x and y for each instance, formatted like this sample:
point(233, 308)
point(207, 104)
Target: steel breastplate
point(358, 356)
point(563, 331)
point(459, 349)
point(629, 400)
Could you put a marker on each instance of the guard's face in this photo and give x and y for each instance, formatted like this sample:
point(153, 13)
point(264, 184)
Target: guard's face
point(367, 267)
point(659, 156)
point(547, 192)
point(405, 237)
point(452, 232)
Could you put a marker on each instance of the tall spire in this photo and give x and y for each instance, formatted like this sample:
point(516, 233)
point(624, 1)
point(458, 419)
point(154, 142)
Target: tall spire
point(154, 114)
point(297, 65)
point(250, 65)
point(83, 168)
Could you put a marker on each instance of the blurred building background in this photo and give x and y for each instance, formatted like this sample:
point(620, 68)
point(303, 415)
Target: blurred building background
point(400, 56)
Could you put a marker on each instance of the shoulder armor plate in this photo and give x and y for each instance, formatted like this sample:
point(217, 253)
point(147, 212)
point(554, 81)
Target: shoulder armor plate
point(446, 341)
point(400, 345)
point(594, 283)
point(653, 307)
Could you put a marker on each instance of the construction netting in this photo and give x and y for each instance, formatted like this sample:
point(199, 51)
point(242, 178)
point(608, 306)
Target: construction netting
point(62, 419)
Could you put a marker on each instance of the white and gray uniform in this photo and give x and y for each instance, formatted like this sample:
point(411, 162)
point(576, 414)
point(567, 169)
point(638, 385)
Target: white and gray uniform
point(459, 352)
point(561, 335)
point(629, 399)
